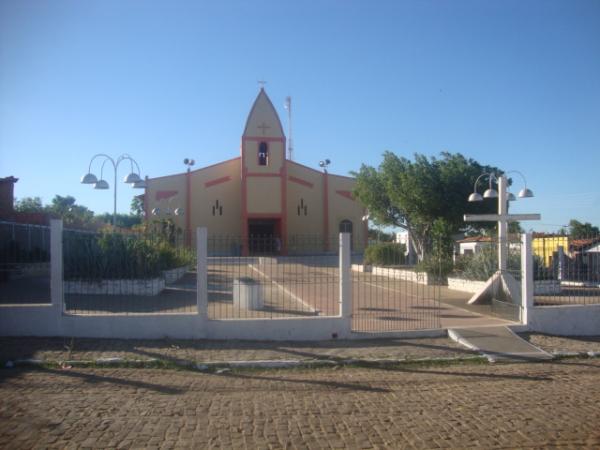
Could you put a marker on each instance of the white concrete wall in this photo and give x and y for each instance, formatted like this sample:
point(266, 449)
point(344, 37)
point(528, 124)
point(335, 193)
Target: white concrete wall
point(151, 287)
point(565, 320)
point(464, 285)
point(30, 320)
point(138, 326)
point(288, 329)
point(49, 320)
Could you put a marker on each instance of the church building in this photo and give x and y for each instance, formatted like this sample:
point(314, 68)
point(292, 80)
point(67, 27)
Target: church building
point(261, 196)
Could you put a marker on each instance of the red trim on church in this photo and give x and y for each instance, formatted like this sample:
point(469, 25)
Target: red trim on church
point(300, 181)
point(265, 216)
point(284, 211)
point(197, 170)
point(326, 210)
point(188, 208)
point(264, 139)
point(244, 206)
point(217, 181)
point(346, 194)
point(163, 195)
point(261, 174)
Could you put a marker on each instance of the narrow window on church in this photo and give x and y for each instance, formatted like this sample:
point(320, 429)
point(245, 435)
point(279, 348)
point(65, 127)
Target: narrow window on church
point(302, 208)
point(217, 209)
point(263, 154)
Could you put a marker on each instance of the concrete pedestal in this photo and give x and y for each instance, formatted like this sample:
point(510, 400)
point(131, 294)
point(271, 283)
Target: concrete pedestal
point(247, 293)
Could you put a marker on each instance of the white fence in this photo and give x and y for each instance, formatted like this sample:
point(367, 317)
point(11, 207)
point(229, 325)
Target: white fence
point(52, 320)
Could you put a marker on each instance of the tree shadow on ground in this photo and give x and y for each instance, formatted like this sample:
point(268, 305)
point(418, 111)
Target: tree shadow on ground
point(331, 384)
point(400, 368)
point(93, 379)
point(12, 348)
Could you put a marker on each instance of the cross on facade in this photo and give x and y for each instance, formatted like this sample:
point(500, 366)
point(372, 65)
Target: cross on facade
point(263, 127)
point(503, 218)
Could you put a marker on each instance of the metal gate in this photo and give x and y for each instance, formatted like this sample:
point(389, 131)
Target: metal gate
point(389, 295)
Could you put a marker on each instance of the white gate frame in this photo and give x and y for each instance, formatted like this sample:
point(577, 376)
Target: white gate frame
point(565, 320)
point(51, 320)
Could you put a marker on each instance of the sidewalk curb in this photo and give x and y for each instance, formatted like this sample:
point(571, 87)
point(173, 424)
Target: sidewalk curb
point(220, 366)
point(207, 366)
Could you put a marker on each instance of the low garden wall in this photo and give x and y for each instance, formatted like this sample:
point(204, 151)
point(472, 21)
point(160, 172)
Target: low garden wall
point(400, 274)
point(545, 287)
point(565, 320)
point(464, 285)
point(141, 287)
point(173, 275)
point(149, 287)
point(541, 287)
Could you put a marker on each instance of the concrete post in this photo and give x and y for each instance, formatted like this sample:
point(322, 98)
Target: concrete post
point(345, 277)
point(526, 277)
point(561, 263)
point(56, 264)
point(502, 223)
point(202, 271)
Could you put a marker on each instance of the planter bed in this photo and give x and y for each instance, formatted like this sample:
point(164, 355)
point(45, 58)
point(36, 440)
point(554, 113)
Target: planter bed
point(149, 287)
point(400, 274)
point(173, 275)
point(540, 287)
point(464, 285)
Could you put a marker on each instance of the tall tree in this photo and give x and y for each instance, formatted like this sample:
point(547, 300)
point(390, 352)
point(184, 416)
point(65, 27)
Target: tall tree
point(123, 220)
point(579, 230)
point(29, 205)
point(71, 213)
point(137, 206)
point(427, 197)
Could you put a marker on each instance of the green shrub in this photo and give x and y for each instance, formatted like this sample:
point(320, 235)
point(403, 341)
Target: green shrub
point(483, 264)
point(436, 266)
point(385, 254)
point(118, 256)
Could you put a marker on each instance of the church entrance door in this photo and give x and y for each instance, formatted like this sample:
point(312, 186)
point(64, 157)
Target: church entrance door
point(264, 236)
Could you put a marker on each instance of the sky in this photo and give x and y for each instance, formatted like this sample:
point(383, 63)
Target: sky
point(514, 84)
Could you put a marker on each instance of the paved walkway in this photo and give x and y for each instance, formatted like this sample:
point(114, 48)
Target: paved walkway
point(498, 344)
point(61, 349)
point(470, 406)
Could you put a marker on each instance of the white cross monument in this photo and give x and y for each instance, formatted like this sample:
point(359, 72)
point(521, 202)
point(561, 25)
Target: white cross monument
point(503, 218)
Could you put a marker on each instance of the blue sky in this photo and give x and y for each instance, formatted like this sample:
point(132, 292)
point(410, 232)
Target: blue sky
point(514, 84)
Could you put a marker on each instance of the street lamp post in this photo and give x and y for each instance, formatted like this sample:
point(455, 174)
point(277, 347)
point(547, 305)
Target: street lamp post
point(503, 218)
point(133, 178)
point(323, 164)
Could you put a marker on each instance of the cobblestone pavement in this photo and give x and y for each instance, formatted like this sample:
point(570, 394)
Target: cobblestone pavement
point(558, 344)
point(456, 406)
point(57, 349)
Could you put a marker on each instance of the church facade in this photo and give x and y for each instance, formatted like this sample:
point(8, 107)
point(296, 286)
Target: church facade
point(265, 199)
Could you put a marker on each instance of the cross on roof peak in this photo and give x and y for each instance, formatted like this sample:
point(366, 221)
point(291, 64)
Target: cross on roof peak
point(263, 127)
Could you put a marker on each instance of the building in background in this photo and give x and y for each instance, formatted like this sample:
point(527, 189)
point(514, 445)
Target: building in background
point(272, 204)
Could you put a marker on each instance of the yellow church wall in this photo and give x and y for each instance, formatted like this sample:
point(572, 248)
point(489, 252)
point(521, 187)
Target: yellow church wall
point(225, 195)
point(263, 195)
point(219, 182)
point(217, 186)
point(301, 193)
point(164, 187)
point(275, 161)
point(343, 208)
point(308, 185)
point(263, 113)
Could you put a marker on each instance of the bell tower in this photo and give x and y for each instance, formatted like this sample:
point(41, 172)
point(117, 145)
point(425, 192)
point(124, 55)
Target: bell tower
point(264, 176)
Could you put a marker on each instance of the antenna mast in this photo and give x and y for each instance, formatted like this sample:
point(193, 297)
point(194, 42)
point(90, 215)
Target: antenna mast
point(288, 106)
